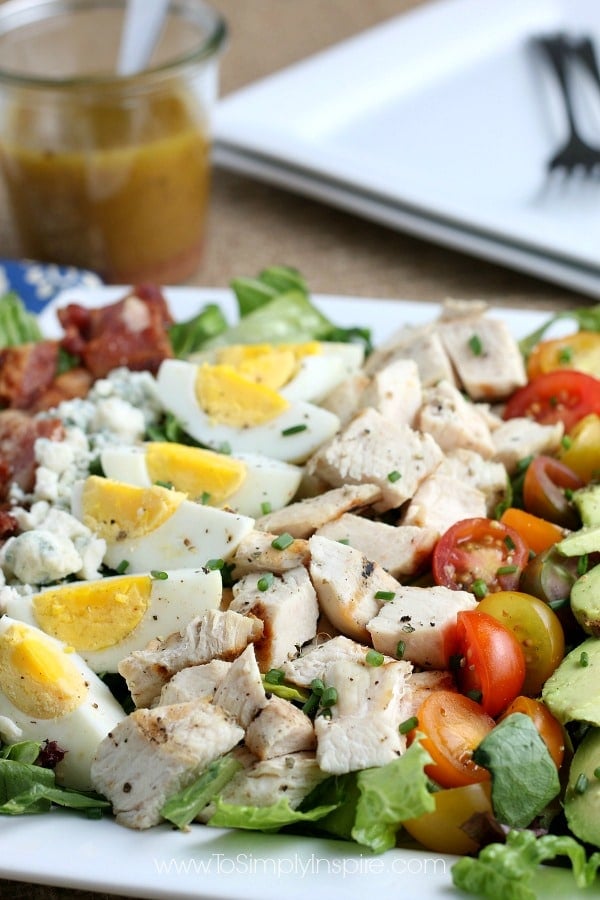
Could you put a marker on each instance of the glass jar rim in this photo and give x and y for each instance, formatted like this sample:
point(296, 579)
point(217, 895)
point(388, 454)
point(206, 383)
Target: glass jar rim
point(210, 45)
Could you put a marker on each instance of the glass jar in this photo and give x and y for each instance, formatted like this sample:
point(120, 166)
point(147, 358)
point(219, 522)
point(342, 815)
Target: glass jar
point(102, 171)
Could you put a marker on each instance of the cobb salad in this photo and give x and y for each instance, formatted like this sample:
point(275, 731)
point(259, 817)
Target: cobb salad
point(330, 652)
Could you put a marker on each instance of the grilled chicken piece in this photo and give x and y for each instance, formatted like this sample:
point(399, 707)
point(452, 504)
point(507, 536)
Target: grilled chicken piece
point(519, 438)
point(256, 553)
point(288, 609)
point(485, 355)
point(363, 730)
point(471, 469)
point(421, 684)
point(345, 399)
point(154, 753)
point(241, 693)
point(216, 634)
point(280, 728)
point(315, 662)
point(373, 450)
point(347, 584)
point(303, 518)
point(453, 421)
point(400, 550)
point(395, 392)
point(421, 344)
point(440, 501)
point(267, 781)
point(194, 683)
point(422, 619)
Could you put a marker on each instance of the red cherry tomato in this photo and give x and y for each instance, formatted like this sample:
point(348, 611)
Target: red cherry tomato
point(561, 396)
point(479, 555)
point(492, 665)
point(453, 726)
point(544, 486)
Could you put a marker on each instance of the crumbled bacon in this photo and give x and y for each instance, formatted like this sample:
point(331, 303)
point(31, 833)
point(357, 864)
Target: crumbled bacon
point(26, 372)
point(18, 434)
point(131, 332)
point(66, 386)
point(50, 755)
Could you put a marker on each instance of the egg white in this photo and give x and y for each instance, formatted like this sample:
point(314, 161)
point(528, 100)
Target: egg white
point(174, 601)
point(190, 537)
point(176, 386)
point(79, 731)
point(268, 481)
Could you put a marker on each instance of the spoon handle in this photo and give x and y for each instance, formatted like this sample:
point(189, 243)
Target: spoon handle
point(143, 23)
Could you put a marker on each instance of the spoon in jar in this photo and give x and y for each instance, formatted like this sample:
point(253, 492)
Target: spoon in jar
point(144, 20)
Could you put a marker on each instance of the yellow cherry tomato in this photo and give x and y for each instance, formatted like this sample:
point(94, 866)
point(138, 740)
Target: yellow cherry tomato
point(440, 830)
point(579, 351)
point(581, 451)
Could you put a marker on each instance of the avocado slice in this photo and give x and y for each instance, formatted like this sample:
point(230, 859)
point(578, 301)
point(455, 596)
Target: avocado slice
point(572, 693)
point(585, 601)
point(578, 543)
point(582, 796)
point(587, 501)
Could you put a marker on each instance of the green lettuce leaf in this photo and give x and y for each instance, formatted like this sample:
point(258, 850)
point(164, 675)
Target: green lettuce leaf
point(17, 325)
point(511, 871)
point(586, 317)
point(27, 789)
point(22, 751)
point(189, 336)
point(252, 293)
point(263, 818)
point(524, 777)
point(183, 807)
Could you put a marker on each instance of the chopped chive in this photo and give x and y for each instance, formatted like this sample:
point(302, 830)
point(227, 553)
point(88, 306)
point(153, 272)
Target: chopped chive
point(394, 476)
point(475, 345)
point(204, 499)
point(559, 603)
point(265, 581)
point(524, 463)
point(507, 570)
point(284, 540)
point(400, 648)
point(165, 484)
point(122, 567)
point(311, 704)
point(325, 712)
point(581, 784)
point(566, 442)
point(293, 429)
point(565, 355)
point(597, 772)
point(225, 448)
point(213, 564)
point(568, 492)
point(374, 658)
point(584, 659)
point(479, 588)
point(265, 508)
point(385, 595)
point(329, 697)
point(582, 564)
point(274, 676)
point(158, 575)
point(317, 686)
point(408, 725)
point(345, 541)
point(475, 695)
point(509, 543)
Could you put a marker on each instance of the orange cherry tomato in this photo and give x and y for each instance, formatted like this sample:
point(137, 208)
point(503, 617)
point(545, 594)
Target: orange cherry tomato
point(550, 729)
point(453, 726)
point(440, 830)
point(492, 665)
point(537, 533)
point(579, 351)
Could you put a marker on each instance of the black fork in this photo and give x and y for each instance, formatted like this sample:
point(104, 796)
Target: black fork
point(576, 154)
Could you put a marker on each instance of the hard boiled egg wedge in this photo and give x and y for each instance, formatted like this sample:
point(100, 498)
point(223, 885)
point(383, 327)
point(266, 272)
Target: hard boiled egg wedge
point(246, 484)
point(303, 371)
point(47, 692)
point(154, 527)
point(107, 619)
point(221, 408)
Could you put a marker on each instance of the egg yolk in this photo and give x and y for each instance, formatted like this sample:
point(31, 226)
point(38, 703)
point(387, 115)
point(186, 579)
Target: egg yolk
point(267, 364)
point(195, 471)
point(38, 678)
point(94, 615)
point(229, 398)
point(117, 511)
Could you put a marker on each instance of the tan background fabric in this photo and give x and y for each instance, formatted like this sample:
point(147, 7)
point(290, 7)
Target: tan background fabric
point(253, 225)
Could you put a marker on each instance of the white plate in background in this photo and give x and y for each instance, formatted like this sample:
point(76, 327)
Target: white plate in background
point(447, 115)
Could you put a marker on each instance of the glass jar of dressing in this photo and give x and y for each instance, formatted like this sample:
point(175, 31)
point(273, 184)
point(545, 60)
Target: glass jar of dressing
point(102, 171)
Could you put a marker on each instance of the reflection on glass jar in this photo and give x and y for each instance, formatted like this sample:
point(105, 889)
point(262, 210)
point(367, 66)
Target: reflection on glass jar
point(104, 172)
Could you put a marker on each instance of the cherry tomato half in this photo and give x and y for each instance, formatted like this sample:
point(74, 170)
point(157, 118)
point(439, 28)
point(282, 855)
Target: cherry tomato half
point(453, 726)
point(538, 534)
point(492, 664)
point(582, 451)
point(441, 830)
point(579, 351)
point(537, 629)
point(561, 396)
point(479, 555)
point(544, 486)
point(550, 729)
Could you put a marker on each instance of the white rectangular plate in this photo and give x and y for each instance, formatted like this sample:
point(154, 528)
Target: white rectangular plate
point(446, 116)
point(212, 864)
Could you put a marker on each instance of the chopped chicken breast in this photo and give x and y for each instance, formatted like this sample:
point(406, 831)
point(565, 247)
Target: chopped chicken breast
point(154, 753)
point(516, 439)
point(241, 692)
point(395, 392)
point(256, 553)
point(303, 518)
point(469, 468)
point(315, 662)
point(194, 683)
point(421, 684)
point(280, 728)
point(441, 500)
point(453, 421)
point(424, 346)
